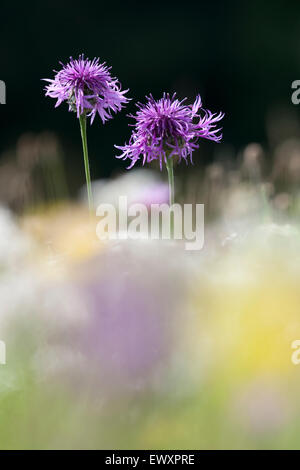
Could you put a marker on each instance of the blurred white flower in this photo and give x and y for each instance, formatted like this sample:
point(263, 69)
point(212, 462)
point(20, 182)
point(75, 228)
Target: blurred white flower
point(140, 186)
point(14, 245)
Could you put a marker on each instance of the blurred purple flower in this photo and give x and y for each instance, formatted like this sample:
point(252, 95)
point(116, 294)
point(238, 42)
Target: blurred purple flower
point(157, 193)
point(168, 127)
point(132, 317)
point(88, 87)
point(128, 330)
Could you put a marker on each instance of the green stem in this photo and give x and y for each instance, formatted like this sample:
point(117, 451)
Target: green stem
point(169, 165)
point(170, 169)
point(82, 121)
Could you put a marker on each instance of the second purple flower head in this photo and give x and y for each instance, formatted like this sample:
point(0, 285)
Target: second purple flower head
point(169, 127)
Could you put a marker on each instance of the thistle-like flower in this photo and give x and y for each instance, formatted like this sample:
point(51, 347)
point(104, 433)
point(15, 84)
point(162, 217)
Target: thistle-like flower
point(168, 127)
point(88, 87)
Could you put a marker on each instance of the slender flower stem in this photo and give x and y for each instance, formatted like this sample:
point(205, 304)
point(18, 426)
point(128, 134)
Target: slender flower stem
point(169, 165)
point(82, 121)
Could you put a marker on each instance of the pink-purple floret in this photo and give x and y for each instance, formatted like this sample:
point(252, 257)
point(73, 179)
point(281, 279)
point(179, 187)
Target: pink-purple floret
point(88, 87)
point(168, 127)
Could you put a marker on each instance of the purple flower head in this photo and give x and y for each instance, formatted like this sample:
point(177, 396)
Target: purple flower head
point(168, 127)
point(88, 87)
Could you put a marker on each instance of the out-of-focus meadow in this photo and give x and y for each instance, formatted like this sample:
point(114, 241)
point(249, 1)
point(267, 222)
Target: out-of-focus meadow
point(141, 344)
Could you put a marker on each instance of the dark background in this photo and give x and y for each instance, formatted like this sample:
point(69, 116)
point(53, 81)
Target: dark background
point(240, 56)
